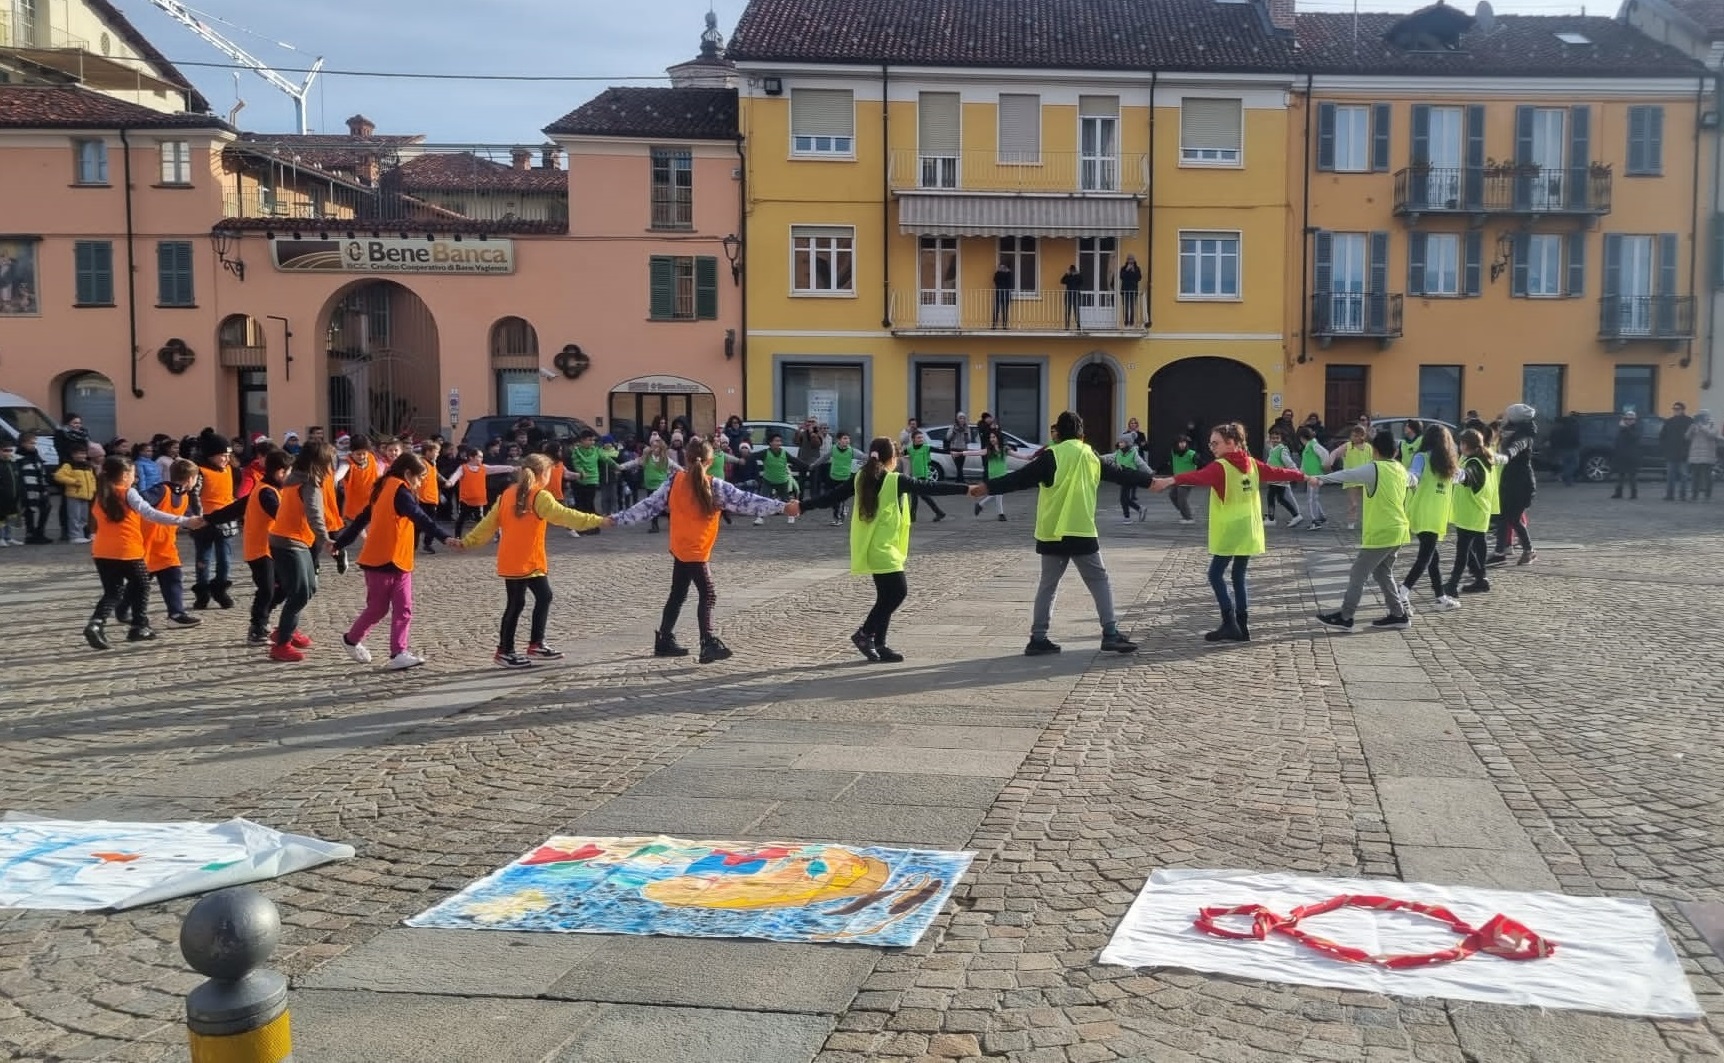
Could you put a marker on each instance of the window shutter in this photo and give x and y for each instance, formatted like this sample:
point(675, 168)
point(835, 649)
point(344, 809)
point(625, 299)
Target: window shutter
point(1325, 136)
point(1612, 264)
point(1377, 282)
point(1421, 155)
point(1654, 142)
point(165, 285)
point(1574, 286)
point(1473, 181)
point(1637, 122)
point(1098, 106)
point(822, 113)
point(83, 272)
point(1416, 263)
point(1578, 184)
point(1323, 261)
point(1382, 118)
point(1666, 293)
point(661, 284)
point(183, 255)
point(1472, 282)
point(706, 288)
point(1520, 275)
point(1718, 250)
point(1210, 124)
point(1522, 157)
point(937, 123)
point(101, 151)
point(1020, 127)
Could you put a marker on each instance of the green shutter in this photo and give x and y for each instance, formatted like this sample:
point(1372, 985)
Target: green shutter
point(166, 285)
point(1381, 117)
point(706, 288)
point(1575, 244)
point(1325, 136)
point(1520, 273)
point(662, 285)
point(82, 255)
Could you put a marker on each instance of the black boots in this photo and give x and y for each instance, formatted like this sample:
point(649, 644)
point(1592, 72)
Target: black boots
point(864, 644)
point(94, 635)
point(664, 645)
point(218, 593)
point(1230, 629)
point(711, 649)
point(1240, 617)
point(200, 596)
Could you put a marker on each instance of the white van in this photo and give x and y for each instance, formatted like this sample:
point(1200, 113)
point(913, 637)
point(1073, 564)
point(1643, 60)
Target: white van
point(19, 415)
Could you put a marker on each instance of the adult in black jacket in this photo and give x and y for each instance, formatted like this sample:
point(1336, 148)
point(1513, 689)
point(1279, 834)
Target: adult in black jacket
point(1625, 455)
point(1519, 484)
point(1673, 444)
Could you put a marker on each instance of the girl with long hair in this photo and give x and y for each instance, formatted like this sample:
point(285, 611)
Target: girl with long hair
point(1470, 512)
point(1516, 484)
point(880, 537)
point(1435, 469)
point(396, 521)
point(518, 520)
point(299, 534)
point(993, 453)
point(118, 513)
point(657, 465)
point(693, 499)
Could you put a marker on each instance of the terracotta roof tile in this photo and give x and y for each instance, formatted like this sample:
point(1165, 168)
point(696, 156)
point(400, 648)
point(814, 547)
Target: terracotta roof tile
point(71, 107)
point(467, 172)
point(1066, 34)
point(674, 114)
point(169, 72)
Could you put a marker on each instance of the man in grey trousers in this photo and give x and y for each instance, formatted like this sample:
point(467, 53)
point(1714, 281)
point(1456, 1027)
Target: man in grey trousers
point(1383, 531)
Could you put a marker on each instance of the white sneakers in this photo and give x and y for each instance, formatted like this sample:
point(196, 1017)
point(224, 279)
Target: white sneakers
point(758, 521)
point(790, 520)
point(1127, 520)
point(357, 651)
point(1297, 520)
point(82, 539)
point(1188, 520)
point(1445, 603)
point(403, 661)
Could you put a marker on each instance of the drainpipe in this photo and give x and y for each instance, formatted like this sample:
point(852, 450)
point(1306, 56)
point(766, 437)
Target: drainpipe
point(131, 262)
point(885, 197)
point(1713, 212)
point(1694, 243)
point(742, 234)
point(1149, 224)
point(1305, 235)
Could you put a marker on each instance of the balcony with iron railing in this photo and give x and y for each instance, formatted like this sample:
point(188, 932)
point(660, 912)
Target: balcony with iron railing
point(1366, 315)
point(988, 310)
point(1624, 319)
point(1507, 188)
point(1043, 173)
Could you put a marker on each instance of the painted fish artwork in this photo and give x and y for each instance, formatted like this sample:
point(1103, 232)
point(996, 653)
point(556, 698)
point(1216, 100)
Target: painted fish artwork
point(785, 891)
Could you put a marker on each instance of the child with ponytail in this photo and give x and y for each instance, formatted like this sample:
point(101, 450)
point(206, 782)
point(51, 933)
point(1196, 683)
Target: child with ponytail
point(1470, 512)
point(261, 507)
point(396, 520)
point(518, 521)
point(119, 513)
point(177, 496)
point(298, 535)
point(657, 466)
point(694, 500)
point(880, 537)
point(1435, 470)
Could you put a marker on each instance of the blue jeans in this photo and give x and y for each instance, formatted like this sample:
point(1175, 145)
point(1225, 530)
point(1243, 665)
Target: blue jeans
point(1675, 479)
point(212, 550)
point(1217, 581)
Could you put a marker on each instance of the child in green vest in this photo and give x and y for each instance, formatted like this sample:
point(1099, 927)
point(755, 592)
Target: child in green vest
point(919, 467)
point(1434, 471)
point(587, 462)
point(1279, 456)
point(1470, 511)
point(880, 536)
point(1125, 456)
point(1384, 530)
point(1357, 452)
point(1181, 460)
point(656, 466)
point(1312, 460)
point(776, 464)
point(994, 464)
point(843, 466)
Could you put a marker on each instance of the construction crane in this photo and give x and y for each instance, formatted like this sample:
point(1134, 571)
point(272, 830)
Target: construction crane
point(188, 18)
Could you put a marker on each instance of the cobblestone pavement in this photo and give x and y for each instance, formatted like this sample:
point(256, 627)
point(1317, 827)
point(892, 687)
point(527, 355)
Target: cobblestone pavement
point(1568, 721)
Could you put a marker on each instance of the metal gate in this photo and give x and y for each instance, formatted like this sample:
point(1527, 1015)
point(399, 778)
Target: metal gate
point(383, 361)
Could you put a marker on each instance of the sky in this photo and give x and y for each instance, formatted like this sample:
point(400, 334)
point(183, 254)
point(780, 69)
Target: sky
point(607, 40)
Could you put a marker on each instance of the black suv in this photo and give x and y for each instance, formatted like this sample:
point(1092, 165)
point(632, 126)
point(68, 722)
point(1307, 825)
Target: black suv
point(560, 430)
point(1598, 446)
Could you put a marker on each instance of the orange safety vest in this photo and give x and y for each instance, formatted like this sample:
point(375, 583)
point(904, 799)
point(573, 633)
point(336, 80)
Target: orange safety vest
point(555, 486)
point(389, 539)
point(692, 532)
point(290, 520)
point(472, 486)
point(117, 541)
point(521, 552)
point(162, 541)
point(429, 491)
point(216, 490)
point(258, 522)
point(332, 521)
point(361, 479)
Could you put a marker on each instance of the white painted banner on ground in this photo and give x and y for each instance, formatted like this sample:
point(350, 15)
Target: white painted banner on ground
point(1611, 954)
point(93, 865)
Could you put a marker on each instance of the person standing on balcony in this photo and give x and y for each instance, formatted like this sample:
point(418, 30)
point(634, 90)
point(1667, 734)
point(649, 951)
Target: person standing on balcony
point(1072, 281)
point(1673, 444)
point(1003, 284)
point(1130, 279)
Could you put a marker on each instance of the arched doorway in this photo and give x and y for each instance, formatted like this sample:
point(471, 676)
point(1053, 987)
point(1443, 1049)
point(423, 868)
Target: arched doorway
point(1208, 391)
point(383, 362)
point(91, 397)
point(244, 361)
point(1095, 391)
point(515, 366)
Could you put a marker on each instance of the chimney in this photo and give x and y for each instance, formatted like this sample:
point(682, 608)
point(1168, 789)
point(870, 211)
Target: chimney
point(360, 127)
point(522, 158)
point(551, 157)
point(1281, 15)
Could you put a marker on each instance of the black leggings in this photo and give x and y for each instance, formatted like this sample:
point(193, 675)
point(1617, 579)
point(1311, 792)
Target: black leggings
point(683, 574)
point(1513, 523)
point(465, 513)
point(122, 581)
point(1469, 556)
point(890, 590)
point(1427, 561)
point(1128, 499)
point(915, 504)
point(266, 593)
point(516, 590)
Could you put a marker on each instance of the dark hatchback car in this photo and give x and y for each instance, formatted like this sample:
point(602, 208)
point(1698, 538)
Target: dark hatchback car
point(561, 430)
point(1598, 446)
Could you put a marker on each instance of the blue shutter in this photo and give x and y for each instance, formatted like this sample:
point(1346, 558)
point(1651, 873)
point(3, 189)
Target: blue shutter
point(1578, 187)
point(661, 283)
point(1523, 157)
point(706, 288)
point(1377, 284)
point(1381, 120)
point(1654, 140)
point(1575, 286)
point(1520, 275)
point(1419, 189)
point(1325, 136)
point(1637, 139)
point(104, 266)
point(1666, 297)
point(183, 273)
point(1416, 263)
point(1471, 282)
point(167, 286)
point(1323, 276)
point(1474, 182)
point(83, 272)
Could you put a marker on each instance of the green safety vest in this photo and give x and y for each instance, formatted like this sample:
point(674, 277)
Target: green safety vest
point(1409, 447)
point(919, 462)
point(1184, 461)
point(843, 463)
point(1236, 521)
point(1279, 455)
point(653, 475)
point(716, 468)
point(996, 465)
point(1309, 463)
point(1494, 484)
point(1353, 457)
point(1385, 517)
point(775, 466)
point(1469, 509)
point(1428, 504)
point(880, 545)
point(585, 460)
point(1067, 508)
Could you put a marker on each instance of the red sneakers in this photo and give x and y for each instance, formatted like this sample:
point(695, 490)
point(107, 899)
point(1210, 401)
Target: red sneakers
point(299, 639)
point(287, 653)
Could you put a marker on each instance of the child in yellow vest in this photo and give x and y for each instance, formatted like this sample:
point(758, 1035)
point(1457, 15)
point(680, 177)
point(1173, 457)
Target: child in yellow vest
point(1384, 530)
point(1357, 452)
point(1434, 473)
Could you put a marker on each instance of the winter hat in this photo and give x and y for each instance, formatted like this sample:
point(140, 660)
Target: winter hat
point(1519, 412)
point(290, 434)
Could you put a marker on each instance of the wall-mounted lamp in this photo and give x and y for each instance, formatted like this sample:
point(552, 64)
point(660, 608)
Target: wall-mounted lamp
point(1505, 255)
point(223, 242)
point(732, 245)
point(729, 344)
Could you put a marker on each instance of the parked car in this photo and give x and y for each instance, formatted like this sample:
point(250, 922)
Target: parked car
point(1394, 425)
point(19, 415)
point(1598, 446)
point(759, 430)
point(481, 430)
point(940, 463)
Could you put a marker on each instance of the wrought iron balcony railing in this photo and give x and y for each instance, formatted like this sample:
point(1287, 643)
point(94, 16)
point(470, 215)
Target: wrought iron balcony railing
point(1520, 190)
point(1067, 172)
point(1624, 318)
point(1375, 315)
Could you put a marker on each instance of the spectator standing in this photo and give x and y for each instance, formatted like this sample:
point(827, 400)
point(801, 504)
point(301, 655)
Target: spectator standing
point(957, 442)
point(1130, 279)
point(1702, 454)
point(1002, 295)
point(68, 436)
point(1625, 455)
point(1072, 281)
point(810, 441)
point(35, 479)
point(1673, 444)
point(11, 495)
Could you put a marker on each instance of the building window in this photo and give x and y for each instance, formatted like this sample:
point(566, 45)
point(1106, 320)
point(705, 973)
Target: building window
point(1018, 403)
point(824, 259)
point(938, 392)
point(822, 122)
point(174, 273)
point(1636, 388)
point(1019, 255)
point(518, 392)
point(938, 139)
point(176, 162)
point(672, 188)
point(1352, 139)
point(1210, 130)
point(91, 158)
point(1541, 387)
point(1209, 265)
point(1646, 140)
point(1544, 266)
point(1440, 392)
point(831, 393)
point(93, 263)
point(684, 287)
point(1442, 264)
point(1020, 129)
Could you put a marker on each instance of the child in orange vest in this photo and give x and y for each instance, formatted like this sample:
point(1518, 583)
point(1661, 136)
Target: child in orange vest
point(260, 508)
point(471, 492)
point(175, 496)
point(520, 517)
point(694, 500)
point(119, 514)
point(297, 537)
point(430, 493)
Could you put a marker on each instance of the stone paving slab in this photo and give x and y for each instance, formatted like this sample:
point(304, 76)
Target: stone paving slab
point(1397, 755)
point(898, 788)
point(744, 783)
point(1453, 813)
point(909, 825)
point(337, 1026)
point(477, 963)
point(719, 973)
point(1489, 868)
point(682, 817)
point(1427, 721)
point(975, 762)
point(632, 1034)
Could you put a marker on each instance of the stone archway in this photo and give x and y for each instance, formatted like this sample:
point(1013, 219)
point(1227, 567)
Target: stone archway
point(1095, 396)
point(515, 366)
point(383, 361)
point(1208, 391)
